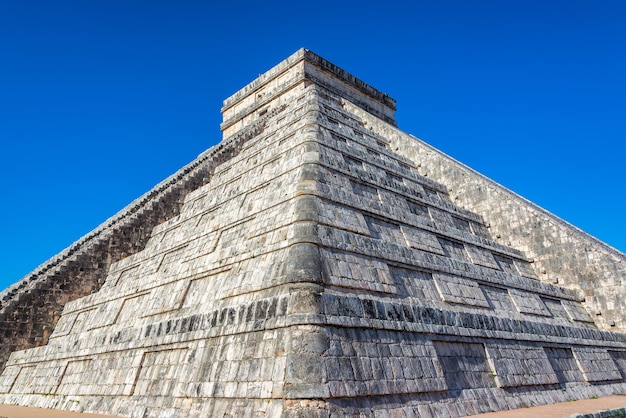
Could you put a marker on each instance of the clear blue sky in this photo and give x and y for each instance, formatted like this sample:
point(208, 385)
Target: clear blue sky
point(102, 99)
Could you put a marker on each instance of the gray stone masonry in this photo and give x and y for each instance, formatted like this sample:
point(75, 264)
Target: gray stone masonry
point(318, 263)
point(560, 253)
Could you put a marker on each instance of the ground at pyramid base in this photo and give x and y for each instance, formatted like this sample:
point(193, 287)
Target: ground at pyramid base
point(606, 407)
point(318, 262)
point(14, 411)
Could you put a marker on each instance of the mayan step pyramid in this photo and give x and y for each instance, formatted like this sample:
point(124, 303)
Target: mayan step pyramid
point(318, 262)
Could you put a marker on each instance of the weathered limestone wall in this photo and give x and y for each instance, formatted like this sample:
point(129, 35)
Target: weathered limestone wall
point(210, 317)
point(424, 312)
point(561, 253)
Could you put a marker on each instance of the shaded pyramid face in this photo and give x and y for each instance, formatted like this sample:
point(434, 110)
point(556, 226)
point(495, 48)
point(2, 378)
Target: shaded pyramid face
point(318, 272)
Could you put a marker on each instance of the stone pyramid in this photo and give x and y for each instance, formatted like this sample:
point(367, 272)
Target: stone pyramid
point(318, 262)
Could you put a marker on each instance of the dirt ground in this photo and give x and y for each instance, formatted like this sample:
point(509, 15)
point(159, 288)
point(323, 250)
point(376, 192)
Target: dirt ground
point(560, 410)
point(12, 411)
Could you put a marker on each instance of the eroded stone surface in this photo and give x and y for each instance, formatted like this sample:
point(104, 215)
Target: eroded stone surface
point(317, 271)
